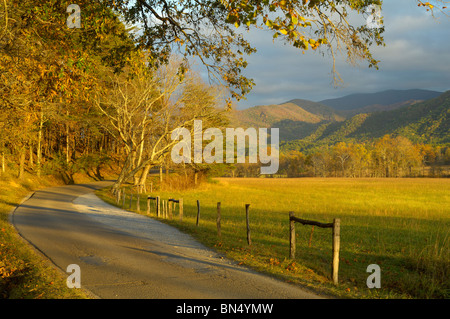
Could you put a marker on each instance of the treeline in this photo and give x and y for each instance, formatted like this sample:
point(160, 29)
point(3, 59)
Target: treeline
point(48, 73)
point(384, 157)
point(75, 100)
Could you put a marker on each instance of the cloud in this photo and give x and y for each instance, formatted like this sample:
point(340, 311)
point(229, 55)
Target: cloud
point(416, 55)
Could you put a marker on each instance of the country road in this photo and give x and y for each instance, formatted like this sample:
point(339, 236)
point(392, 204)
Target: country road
point(130, 256)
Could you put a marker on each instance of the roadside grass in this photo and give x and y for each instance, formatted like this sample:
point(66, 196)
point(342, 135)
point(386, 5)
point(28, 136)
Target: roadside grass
point(402, 225)
point(24, 274)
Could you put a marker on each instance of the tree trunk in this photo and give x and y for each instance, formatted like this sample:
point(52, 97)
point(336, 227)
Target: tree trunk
point(122, 176)
point(144, 174)
point(21, 163)
point(127, 172)
point(67, 144)
point(3, 163)
point(39, 146)
point(31, 156)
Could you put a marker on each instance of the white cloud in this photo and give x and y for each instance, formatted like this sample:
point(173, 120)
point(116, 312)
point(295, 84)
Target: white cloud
point(416, 56)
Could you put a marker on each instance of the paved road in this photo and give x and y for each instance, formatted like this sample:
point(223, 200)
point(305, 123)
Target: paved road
point(126, 255)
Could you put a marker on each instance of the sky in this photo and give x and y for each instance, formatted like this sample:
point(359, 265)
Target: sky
point(416, 56)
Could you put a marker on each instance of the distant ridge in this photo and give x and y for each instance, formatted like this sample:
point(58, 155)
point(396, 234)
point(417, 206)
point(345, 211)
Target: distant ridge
point(384, 98)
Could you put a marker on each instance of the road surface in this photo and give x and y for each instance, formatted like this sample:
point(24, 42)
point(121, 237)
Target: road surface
point(126, 255)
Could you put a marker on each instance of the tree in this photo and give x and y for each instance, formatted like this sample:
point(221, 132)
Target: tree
point(210, 30)
point(406, 156)
point(394, 155)
point(144, 106)
point(292, 163)
point(359, 155)
point(342, 153)
point(427, 155)
point(47, 72)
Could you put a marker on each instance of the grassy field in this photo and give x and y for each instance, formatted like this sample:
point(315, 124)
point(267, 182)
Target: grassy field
point(402, 225)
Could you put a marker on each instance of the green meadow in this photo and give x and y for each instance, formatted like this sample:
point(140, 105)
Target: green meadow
point(402, 225)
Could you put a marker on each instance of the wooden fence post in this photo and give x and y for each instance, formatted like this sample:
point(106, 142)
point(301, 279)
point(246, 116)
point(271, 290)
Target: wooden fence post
point(158, 208)
point(123, 200)
point(131, 200)
point(138, 203)
point(310, 236)
point(170, 206)
point(181, 209)
point(336, 228)
point(148, 206)
point(336, 246)
point(249, 240)
point(219, 231)
point(198, 212)
point(291, 236)
point(164, 208)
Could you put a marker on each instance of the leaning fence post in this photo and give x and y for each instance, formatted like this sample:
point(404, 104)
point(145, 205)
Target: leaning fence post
point(249, 240)
point(166, 205)
point(181, 209)
point(291, 236)
point(158, 208)
point(164, 208)
point(138, 203)
point(311, 236)
point(198, 212)
point(336, 246)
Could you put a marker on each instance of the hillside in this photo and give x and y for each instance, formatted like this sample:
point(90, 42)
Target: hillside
point(425, 122)
point(379, 101)
point(325, 112)
point(304, 124)
point(296, 110)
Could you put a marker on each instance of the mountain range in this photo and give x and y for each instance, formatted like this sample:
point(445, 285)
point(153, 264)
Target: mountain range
point(423, 116)
point(379, 101)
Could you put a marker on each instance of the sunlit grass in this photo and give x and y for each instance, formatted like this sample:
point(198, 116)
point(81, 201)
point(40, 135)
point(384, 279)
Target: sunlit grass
point(400, 224)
